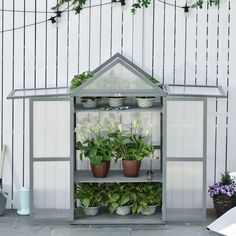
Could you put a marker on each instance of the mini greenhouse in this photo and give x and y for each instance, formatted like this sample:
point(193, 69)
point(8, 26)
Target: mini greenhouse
point(176, 119)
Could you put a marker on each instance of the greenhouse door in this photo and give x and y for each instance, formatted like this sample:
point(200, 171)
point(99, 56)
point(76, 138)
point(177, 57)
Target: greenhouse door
point(51, 158)
point(184, 152)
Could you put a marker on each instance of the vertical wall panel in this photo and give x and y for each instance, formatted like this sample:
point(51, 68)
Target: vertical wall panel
point(62, 50)
point(51, 49)
point(201, 45)
point(128, 31)
point(84, 43)
point(18, 105)
point(74, 37)
point(116, 28)
point(95, 36)
point(158, 39)
point(180, 44)
point(190, 47)
point(7, 105)
point(106, 16)
point(222, 80)
point(169, 59)
point(232, 92)
point(138, 38)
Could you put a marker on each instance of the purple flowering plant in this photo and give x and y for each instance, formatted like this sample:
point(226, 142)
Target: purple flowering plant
point(225, 187)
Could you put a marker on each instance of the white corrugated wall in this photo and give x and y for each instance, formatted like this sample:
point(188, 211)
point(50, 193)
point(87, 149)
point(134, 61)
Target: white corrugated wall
point(199, 49)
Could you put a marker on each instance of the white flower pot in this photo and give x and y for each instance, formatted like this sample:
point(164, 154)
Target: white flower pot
point(123, 210)
point(89, 103)
point(90, 211)
point(116, 102)
point(150, 210)
point(145, 102)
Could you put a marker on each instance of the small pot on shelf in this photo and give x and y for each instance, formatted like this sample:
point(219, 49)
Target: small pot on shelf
point(90, 211)
point(150, 210)
point(123, 210)
point(145, 102)
point(131, 167)
point(116, 101)
point(101, 170)
point(89, 102)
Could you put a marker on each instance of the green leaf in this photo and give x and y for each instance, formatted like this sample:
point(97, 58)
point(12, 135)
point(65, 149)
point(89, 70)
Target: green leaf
point(124, 199)
point(85, 202)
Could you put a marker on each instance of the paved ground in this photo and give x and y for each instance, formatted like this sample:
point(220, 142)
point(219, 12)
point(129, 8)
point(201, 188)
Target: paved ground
point(13, 225)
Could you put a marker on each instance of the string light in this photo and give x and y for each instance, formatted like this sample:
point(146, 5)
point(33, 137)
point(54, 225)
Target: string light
point(58, 13)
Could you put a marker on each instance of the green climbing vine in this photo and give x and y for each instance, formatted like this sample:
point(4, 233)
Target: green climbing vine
point(79, 4)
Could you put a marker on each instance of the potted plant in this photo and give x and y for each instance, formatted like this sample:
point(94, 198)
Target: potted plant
point(116, 101)
point(148, 101)
point(145, 102)
point(90, 197)
point(97, 148)
point(119, 198)
point(153, 198)
point(223, 194)
point(131, 148)
point(87, 102)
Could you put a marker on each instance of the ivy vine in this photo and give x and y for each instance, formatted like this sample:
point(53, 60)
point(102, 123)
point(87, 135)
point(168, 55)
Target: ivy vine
point(78, 4)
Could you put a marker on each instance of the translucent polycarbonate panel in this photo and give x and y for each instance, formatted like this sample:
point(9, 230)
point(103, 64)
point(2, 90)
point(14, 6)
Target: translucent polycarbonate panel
point(194, 90)
point(51, 129)
point(184, 189)
point(118, 77)
point(185, 128)
point(51, 187)
point(25, 93)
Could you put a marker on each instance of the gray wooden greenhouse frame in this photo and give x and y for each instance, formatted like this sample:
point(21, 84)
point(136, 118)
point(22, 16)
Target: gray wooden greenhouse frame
point(167, 95)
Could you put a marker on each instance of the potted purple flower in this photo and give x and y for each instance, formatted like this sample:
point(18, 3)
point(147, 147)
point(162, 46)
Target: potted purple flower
point(223, 194)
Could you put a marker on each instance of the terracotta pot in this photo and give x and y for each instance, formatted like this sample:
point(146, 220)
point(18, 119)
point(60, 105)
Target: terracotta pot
point(131, 167)
point(100, 171)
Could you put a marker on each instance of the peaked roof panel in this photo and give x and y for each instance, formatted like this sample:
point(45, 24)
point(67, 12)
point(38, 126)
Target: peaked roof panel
point(117, 77)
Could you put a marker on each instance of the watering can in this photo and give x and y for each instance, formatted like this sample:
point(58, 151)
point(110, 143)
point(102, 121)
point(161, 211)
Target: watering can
point(24, 201)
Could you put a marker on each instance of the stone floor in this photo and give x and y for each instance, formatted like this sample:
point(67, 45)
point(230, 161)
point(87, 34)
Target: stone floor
point(11, 224)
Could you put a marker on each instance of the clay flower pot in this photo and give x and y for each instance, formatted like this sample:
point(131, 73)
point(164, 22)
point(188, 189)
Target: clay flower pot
point(100, 171)
point(131, 167)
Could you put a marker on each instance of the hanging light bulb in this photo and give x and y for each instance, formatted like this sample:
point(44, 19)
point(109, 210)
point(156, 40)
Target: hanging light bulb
point(122, 2)
point(186, 9)
point(53, 19)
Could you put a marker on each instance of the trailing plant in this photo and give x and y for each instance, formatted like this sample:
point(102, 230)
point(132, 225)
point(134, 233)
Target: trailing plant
point(94, 145)
point(90, 195)
point(80, 79)
point(130, 145)
point(148, 194)
point(118, 195)
point(79, 4)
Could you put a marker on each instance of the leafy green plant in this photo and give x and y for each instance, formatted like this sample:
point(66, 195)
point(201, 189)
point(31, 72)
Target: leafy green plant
point(148, 194)
point(226, 178)
point(90, 195)
point(80, 79)
point(118, 195)
point(94, 145)
point(130, 146)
